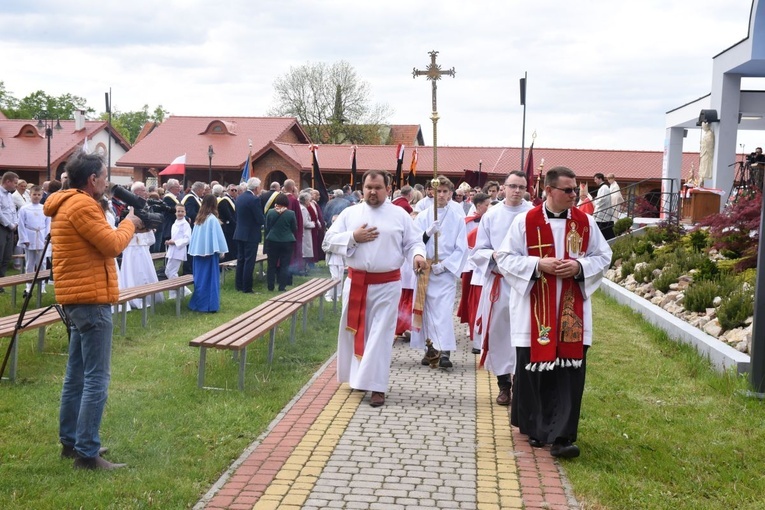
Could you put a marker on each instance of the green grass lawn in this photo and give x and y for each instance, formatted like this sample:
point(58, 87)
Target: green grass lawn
point(660, 429)
point(176, 438)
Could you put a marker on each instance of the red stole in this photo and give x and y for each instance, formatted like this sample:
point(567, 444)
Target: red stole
point(557, 328)
point(357, 302)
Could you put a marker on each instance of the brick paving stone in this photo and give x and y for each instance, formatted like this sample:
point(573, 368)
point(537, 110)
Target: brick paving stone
point(439, 442)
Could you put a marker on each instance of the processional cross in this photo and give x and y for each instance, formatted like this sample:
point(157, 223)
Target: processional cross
point(433, 72)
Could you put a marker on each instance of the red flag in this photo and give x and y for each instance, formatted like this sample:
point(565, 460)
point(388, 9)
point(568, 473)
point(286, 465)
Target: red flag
point(412, 169)
point(353, 167)
point(399, 163)
point(530, 171)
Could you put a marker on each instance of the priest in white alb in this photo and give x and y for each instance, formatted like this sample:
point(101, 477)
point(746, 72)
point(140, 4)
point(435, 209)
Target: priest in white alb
point(375, 237)
point(440, 289)
point(554, 258)
point(493, 325)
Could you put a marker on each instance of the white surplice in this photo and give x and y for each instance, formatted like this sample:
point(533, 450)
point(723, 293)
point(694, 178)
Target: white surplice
point(494, 318)
point(137, 266)
point(438, 312)
point(518, 267)
point(398, 240)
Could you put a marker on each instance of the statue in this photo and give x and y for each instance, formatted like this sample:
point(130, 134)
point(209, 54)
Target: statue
point(706, 153)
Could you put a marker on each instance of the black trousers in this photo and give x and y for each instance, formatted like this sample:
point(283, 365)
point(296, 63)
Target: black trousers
point(279, 255)
point(6, 248)
point(246, 253)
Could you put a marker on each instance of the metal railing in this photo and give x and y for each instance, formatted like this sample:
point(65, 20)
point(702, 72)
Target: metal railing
point(664, 204)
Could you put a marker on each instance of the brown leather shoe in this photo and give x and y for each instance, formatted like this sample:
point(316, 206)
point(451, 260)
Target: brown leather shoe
point(377, 399)
point(96, 463)
point(503, 398)
point(68, 452)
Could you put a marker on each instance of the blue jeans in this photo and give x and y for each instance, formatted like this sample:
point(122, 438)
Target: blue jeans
point(87, 377)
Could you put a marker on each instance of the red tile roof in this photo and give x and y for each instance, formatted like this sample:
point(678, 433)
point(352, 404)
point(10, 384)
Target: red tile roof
point(31, 152)
point(409, 135)
point(628, 166)
point(179, 135)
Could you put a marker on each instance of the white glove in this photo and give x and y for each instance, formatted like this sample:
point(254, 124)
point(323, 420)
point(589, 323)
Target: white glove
point(437, 268)
point(433, 228)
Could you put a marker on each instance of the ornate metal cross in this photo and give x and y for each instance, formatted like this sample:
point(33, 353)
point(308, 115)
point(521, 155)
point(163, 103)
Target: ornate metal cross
point(434, 73)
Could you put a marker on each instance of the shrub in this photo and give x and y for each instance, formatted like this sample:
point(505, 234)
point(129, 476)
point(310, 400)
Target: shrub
point(628, 266)
point(666, 278)
point(622, 226)
point(699, 240)
point(735, 309)
point(735, 231)
point(700, 295)
point(706, 270)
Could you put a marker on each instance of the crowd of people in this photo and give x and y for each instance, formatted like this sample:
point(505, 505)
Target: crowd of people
point(525, 270)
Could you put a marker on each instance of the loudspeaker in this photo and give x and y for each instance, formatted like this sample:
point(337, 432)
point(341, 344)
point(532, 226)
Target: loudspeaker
point(707, 116)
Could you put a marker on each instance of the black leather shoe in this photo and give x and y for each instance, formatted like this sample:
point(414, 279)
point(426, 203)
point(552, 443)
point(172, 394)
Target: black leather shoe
point(536, 443)
point(475, 351)
point(96, 463)
point(565, 450)
point(68, 452)
point(445, 362)
point(377, 399)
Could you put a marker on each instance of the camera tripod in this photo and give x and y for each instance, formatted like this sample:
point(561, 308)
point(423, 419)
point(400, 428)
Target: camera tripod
point(20, 323)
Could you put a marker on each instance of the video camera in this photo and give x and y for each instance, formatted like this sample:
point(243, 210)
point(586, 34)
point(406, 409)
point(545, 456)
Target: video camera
point(148, 211)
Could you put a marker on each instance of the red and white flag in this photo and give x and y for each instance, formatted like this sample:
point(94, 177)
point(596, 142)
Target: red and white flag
point(177, 167)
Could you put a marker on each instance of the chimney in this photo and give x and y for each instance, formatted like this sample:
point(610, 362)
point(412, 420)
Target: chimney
point(79, 120)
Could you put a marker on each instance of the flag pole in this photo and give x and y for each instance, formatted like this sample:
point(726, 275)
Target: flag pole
point(523, 129)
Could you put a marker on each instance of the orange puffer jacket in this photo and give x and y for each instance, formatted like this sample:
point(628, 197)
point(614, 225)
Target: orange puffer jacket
point(84, 247)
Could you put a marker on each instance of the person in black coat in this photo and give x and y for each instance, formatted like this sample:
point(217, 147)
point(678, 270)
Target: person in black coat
point(227, 216)
point(249, 223)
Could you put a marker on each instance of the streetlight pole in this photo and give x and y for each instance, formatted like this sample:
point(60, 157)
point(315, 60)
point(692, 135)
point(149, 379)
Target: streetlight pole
point(210, 155)
point(44, 121)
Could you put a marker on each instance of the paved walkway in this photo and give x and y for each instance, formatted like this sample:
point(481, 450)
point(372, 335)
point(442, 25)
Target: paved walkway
point(439, 442)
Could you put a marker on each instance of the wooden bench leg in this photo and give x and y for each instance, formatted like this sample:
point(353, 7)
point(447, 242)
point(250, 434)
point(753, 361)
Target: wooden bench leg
point(153, 304)
point(271, 342)
point(292, 328)
point(178, 298)
point(202, 358)
point(39, 294)
point(124, 318)
point(321, 308)
point(242, 364)
point(13, 296)
point(305, 317)
point(335, 300)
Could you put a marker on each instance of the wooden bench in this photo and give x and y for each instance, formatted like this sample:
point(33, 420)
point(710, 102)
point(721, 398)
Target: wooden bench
point(228, 265)
point(307, 292)
point(23, 279)
point(241, 331)
point(36, 318)
point(146, 294)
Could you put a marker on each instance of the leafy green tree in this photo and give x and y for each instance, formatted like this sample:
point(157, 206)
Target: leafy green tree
point(331, 103)
point(130, 124)
point(33, 105)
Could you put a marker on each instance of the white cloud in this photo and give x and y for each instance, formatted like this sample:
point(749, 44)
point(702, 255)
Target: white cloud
point(601, 73)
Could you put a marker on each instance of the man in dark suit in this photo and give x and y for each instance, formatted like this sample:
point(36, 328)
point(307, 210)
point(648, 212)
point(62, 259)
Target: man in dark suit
point(249, 222)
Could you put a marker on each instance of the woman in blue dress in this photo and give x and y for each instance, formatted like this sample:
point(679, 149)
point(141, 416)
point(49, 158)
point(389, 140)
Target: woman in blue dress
point(207, 246)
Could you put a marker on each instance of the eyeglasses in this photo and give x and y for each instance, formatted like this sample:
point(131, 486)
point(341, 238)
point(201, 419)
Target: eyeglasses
point(567, 191)
point(512, 187)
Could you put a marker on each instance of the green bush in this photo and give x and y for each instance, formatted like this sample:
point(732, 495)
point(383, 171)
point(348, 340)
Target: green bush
point(700, 295)
point(706, 270)
point(668, 276)
point(622, 226)
point(735, 308)
point(628, 266)
point(699, 240)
